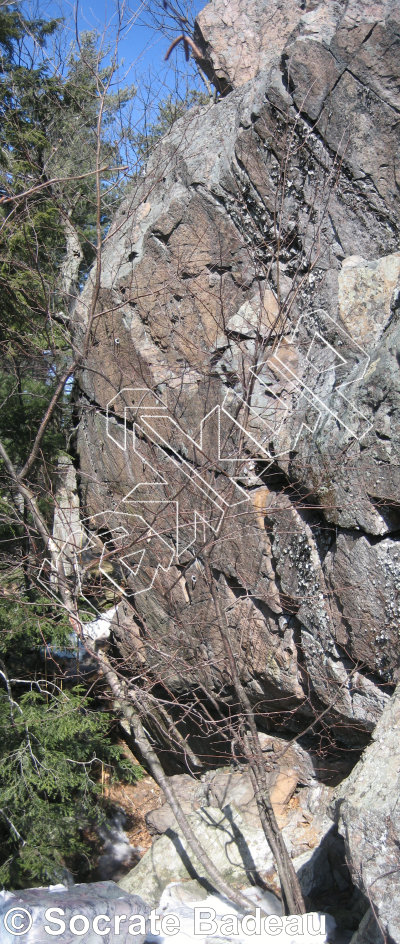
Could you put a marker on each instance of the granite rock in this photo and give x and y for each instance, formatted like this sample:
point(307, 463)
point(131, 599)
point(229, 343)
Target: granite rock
point(68, 913)
point(367, 812)
point(274, 339)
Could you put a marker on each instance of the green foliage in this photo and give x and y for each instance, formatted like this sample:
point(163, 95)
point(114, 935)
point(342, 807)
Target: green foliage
point(72, 139)
point(27, 622)
point(53, 744)
point(51, 139)
point(24, 408)
point(53, 740)
point(31, 242)
point(52, 749)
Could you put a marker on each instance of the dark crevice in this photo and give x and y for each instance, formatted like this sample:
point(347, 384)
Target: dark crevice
point(241, 592)
point(216, 356)
point(304, 502)
point(287, 82)
point(337, 237)
point(390, 512)
point(295, 625)
point(372, 539)
point(238, 336)
point(164, 237)
point(218, 269)
point(161, 237)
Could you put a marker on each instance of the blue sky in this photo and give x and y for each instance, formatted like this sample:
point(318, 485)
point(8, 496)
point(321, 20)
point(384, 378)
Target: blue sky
point(141, 49)
point(141, 46)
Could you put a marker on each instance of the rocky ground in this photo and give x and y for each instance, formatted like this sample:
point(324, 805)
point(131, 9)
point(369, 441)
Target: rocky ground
point(343, 839)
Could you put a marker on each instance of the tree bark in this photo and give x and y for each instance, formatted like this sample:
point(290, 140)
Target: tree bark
point(126, 698)
point(290, 886)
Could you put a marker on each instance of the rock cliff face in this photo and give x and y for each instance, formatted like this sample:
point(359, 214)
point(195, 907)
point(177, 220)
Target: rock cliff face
point(240, 402)
point(367, 810)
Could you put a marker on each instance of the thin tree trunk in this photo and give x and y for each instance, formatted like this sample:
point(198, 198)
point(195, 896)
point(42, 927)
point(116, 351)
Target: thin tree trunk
point(125, 696)
point(197, 849)
point(291, 891)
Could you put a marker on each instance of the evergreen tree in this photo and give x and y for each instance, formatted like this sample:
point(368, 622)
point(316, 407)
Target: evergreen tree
point(52, 740)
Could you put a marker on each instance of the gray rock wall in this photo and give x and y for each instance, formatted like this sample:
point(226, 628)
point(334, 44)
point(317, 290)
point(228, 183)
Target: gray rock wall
point(367, 812)
point(240, 399)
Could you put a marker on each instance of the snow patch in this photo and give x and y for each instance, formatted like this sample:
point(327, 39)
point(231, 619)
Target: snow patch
point(214, 919)
point(99, 629)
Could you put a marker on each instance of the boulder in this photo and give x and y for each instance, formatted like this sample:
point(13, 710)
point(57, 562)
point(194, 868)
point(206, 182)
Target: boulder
point(367, 812)
point(287, 766)
point(241, 396)
point(238, 849)
point(237, 42)
point(72, 912)
point(368, 931)
point(223, 814)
